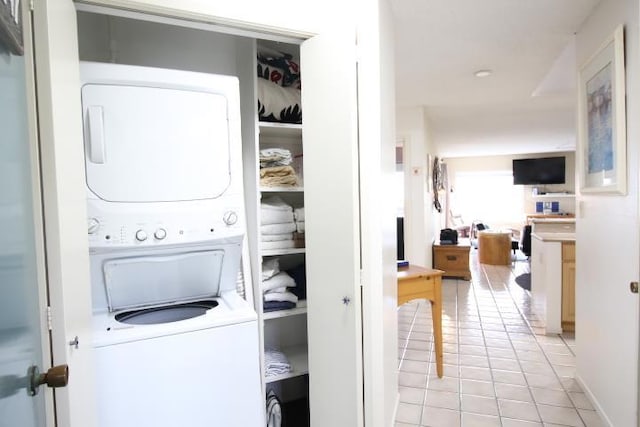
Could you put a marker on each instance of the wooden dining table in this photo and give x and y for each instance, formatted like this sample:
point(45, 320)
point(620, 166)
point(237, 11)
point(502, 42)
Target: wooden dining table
point(415, 282)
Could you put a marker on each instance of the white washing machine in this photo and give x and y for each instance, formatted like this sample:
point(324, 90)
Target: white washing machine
point(174, 342)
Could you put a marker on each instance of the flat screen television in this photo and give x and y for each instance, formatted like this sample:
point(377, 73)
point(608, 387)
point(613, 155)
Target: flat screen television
point(545, 170)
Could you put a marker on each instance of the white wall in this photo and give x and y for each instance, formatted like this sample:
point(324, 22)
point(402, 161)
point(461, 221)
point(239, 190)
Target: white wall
point(607, 246)
point(504, 163)
point(421, 220)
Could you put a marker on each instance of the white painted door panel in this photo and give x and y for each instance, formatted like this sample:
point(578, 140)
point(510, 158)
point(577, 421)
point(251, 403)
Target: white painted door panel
point(332, 235)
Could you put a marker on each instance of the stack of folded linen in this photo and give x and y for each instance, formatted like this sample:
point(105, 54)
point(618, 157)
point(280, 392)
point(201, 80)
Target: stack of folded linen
point(275, 287)
point(275, 363)
point(277, 224)
point(275, 169)
point(298, 216)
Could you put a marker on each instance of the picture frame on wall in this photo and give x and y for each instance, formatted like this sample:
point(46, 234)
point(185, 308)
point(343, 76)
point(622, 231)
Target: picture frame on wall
point(602, 136)
point(11, 27)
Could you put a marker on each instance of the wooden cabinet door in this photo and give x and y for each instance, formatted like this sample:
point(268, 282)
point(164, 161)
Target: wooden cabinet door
point(568, 292)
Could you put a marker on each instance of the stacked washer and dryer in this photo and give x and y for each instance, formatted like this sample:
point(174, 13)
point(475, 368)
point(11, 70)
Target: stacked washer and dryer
point(175, 344)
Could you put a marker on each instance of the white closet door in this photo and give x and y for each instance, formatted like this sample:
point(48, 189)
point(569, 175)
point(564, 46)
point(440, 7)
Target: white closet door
point(329, 105)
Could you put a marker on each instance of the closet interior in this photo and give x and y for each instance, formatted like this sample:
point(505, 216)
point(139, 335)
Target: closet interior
point(269, 75)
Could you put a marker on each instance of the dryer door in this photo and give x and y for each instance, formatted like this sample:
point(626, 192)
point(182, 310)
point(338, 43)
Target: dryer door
point(149, 144)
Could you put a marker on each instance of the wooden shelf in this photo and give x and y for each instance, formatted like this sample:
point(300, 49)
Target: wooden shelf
point(276, 252)
point(301, 308)
point(299, 361)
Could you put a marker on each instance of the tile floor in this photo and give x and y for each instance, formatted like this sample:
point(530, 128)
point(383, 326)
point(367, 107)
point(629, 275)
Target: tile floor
point(499, 367)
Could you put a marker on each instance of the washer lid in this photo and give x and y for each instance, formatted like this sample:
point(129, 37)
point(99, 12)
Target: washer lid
point(155, 280)
point(153, 144)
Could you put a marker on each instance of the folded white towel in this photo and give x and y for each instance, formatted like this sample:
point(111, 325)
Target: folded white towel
point(275, 157)
point(280, 296)
point(276, 290)
point(278, 228)
point(298, 213)
point(275, 203)
point(279, 280)
point(300, 226)
point(275, 362)
point(275, 216)
point(280, 244)
point(276, 237)
point(270, 268)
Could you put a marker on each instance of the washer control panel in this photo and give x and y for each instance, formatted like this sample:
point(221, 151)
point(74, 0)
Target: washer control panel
point(122, 229)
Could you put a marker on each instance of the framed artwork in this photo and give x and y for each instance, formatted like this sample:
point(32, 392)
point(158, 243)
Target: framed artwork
point(602, 136)
point(11, 26)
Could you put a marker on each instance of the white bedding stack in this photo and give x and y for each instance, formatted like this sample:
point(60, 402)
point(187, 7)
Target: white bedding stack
point(277, 224)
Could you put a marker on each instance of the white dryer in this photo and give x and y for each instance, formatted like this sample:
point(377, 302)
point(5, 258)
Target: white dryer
point(174, 342)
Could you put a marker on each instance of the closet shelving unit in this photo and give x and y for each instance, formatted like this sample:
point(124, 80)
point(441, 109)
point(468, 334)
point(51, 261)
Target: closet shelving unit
point(286, 330)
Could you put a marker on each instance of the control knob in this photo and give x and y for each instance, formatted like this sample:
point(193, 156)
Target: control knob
point(230, 217)
point(160, 234)
point(93, 225)
point(141, 235)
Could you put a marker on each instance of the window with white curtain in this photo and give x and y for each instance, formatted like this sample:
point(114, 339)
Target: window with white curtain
point(488, 196)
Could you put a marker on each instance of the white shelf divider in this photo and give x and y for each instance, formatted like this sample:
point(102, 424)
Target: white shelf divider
point(277, 252)
point(281, 189)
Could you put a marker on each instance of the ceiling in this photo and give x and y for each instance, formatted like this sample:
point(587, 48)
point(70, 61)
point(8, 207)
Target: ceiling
point(527, 105)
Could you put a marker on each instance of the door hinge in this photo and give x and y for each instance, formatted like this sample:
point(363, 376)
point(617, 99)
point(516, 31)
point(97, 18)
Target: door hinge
point(49, 319)
point(360, 280)
point(31, 5)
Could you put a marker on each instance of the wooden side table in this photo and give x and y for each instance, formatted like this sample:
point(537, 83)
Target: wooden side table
point(494, 247)
point(418, 282)
point(453, 259)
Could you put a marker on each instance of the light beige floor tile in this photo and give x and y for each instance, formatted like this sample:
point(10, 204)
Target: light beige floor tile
point(410, 379)
point(562, 359)
point(444, 384)
point(551, 397)
point(419, 345)
point(414, 366)
point(403, 425)
point(474, 350)
point(471, 340)
point(420, 356)
point(476, 420)
point(565, 371)
point(543, 381)
point(421, 336)
point(570, 384)
point(519, 410)
point(559, 415)
point(534, 356)
point(479, 404)
point(412, 395)
point(591, 418)
point(443, 399)
point(478, 388)
point(504, 364)
point(509, 377)
point(477, 361)
point(448, 370)
point(513, 392)
point(475, 373)
point(581, 401)
point(502, 353)
point(541, 368)
point(499, 343)
point(509, 422)
point(408, 413)
point(440, 417)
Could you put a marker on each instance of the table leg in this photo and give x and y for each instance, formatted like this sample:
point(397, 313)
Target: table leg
point(436, 314)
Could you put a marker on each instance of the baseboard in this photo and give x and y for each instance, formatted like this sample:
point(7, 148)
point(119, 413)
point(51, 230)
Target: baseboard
point(594, 401)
